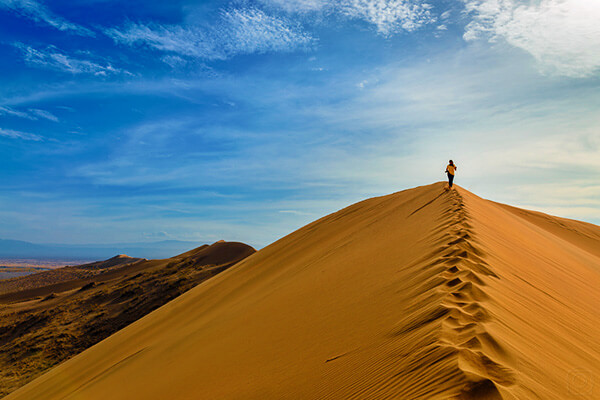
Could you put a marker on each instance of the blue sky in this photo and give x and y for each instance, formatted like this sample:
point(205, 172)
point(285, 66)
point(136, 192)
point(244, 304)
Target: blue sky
point(244, 120)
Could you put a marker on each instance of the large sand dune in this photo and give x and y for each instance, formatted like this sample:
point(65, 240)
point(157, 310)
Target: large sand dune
point(422, 294)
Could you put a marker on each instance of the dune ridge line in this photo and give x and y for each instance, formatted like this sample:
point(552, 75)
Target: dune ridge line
point(479, 356)
point(447, 321)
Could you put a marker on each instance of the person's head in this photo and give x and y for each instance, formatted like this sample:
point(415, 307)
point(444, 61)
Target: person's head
point(451, 163)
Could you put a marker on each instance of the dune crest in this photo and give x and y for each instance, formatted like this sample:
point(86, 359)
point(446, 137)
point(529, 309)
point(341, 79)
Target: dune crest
point(454, 298)
point(421, 294)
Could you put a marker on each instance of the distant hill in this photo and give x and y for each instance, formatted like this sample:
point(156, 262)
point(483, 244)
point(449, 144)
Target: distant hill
point(160, 249)
point(60, 278)
point(48, 317)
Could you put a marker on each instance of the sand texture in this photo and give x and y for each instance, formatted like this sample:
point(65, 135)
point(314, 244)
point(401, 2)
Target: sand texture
point(422, 294)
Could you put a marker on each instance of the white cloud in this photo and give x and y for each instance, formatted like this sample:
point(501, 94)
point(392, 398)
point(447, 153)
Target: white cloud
point(20, 135)
point(43, 114)
point(174, 61)
point(253, 31)
point(40, 13)
point(32, 113)
point(169, 38)
point(388, 16)
point(295, 212)
point(301, 6)
point(15, 113)
point(562, 35)
point(238, 31)
point(53, 58)
point(367, 82)
point(157, 235)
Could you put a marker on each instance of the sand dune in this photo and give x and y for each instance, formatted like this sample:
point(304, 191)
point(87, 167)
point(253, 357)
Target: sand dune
point(422, 294)
point(41, 326)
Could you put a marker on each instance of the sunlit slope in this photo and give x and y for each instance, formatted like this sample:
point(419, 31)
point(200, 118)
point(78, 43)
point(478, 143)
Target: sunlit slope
point(422, 294)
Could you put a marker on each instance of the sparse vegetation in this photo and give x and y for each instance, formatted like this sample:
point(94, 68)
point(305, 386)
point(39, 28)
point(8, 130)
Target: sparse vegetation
point(45, 329)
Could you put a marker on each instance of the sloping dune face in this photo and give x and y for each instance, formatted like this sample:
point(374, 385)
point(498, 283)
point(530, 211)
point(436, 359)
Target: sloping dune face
point(422, 294)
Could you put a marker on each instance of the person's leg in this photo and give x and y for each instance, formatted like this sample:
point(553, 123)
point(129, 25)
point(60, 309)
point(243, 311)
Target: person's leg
point(450, 179)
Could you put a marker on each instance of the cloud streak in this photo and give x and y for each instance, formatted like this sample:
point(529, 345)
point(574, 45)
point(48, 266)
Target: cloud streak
point(31, 114)
point(53, 58)
point(15, 113)
point(38, 12)
point(238, 31)
point(9, 133)
point(43, 114)
point(562, 35)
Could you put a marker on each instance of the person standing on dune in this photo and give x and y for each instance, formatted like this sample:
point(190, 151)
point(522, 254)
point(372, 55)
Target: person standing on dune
point(450, 171)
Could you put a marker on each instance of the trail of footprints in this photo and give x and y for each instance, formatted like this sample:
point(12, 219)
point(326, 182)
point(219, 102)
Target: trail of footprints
point(480, 357)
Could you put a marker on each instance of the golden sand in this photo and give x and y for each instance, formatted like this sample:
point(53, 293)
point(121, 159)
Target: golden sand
point(422, 294)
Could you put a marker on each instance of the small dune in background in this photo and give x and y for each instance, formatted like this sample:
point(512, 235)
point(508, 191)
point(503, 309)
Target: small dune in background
point(427, 293)
point(59, 276)
point(51, 316)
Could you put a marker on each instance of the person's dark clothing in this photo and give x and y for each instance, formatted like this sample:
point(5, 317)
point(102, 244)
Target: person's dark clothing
point(450, 171)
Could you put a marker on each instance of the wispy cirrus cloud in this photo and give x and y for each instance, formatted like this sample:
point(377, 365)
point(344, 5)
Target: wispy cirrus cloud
point(388, 16)
point(15, 113)
point(32, 113)
point(299, 6)
point(38, 12)
point(562, 35)
point(238, 31)
point(53, 58)
point(252, 31)
point(9, 133)
point(190, 42)
point(43, 114)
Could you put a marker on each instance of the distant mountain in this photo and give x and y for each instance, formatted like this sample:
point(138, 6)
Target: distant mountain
point(161, 249)
point(10, 247)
